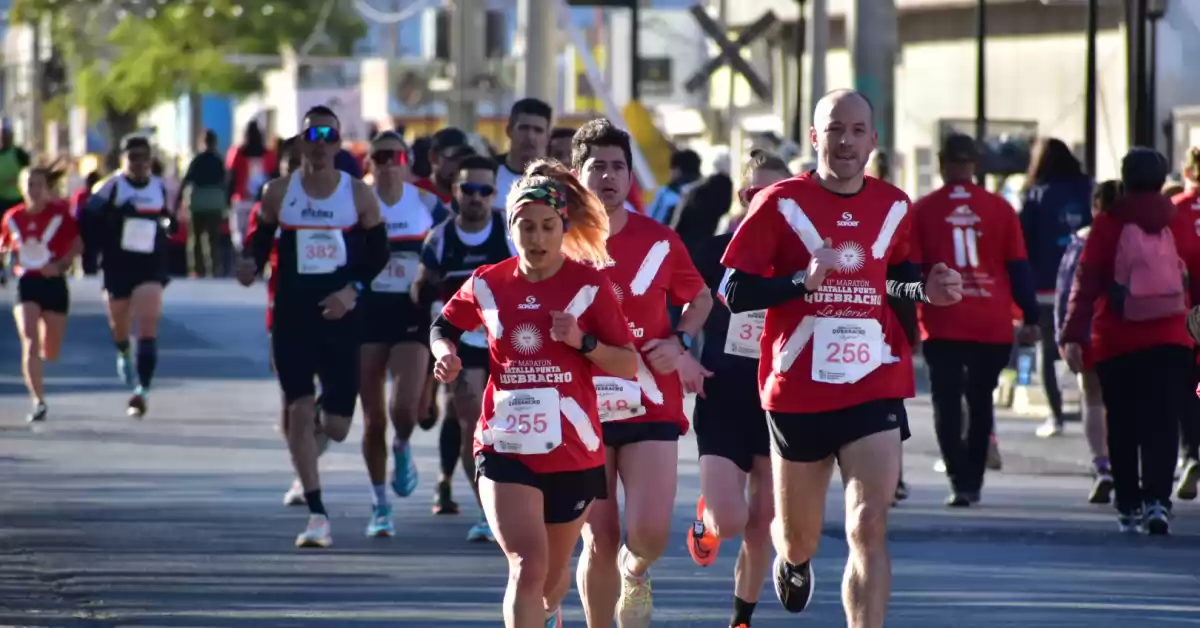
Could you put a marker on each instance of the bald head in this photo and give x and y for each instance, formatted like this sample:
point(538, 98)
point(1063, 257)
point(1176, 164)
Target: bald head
point(841, 99)
point(843, 134)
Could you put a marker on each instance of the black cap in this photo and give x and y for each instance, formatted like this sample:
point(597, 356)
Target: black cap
point(449, 138)
point(133, 142)
point(1143, 170)
point(959, 148)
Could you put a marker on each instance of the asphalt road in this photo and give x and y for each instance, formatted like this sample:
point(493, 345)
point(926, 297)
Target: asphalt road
point(176, 520)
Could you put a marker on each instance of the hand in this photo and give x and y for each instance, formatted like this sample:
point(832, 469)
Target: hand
point(822, 262)
point(943, 286)
point(1072, 353)
point(691, 374)
point(1029, 335)
point(245, 270)
point(565, 329)
point(338, 304)
point(663, 354)
point(446, 368)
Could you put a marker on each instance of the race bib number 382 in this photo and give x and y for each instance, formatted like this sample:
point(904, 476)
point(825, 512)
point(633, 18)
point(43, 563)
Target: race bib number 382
point(527, 421)
point(846, 350)
point(319, 251)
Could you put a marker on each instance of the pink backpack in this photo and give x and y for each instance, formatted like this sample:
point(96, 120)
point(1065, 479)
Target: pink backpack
point(1150, 274)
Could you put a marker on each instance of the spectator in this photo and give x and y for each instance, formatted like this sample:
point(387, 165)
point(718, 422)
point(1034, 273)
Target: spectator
point(685, 171)
point(247, 166)
point(1056, 202)
point(91, 227)
point(13, 160)
point(205, 184)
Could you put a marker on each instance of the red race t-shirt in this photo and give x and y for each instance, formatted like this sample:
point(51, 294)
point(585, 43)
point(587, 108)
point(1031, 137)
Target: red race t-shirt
point(976, 233)
point(651, 268)
point(38, 238)
point(272, 262)
point(539, 405)
point(841, 346)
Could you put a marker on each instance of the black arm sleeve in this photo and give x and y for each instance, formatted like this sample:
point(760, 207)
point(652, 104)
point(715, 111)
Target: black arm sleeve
point(904, 281)
point(375, 255)
point(443, 330)
point(1024, 290)
point(262, 243)
point(745, 292)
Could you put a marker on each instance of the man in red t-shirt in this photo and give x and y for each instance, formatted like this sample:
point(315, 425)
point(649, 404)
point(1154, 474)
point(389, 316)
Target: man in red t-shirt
point(821, 253)
point(642, 420)
point(977, 233)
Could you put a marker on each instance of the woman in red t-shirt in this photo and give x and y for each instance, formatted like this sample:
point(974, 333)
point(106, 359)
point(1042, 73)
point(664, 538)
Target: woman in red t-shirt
point(44, 238)
point(550, 314)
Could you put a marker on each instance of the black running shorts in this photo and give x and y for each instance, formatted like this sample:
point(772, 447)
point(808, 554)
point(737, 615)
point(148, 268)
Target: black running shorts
point(729, 419)
point(306, 346)
point(617, 434)
point(48, 293)
point(391, 322)
point(473, 357)
point(120, 284)
point(565, 494)
point(819, 435)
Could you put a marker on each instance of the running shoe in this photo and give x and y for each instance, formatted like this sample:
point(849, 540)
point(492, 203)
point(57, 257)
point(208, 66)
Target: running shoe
point(1189, 479)
point(702, 544)
point(125, 369)
point(554, 620)
point(636, 604)
point(1050, 429)
point(38, 414)
point(1102, 488)
point(138, 403)
point(428, 422)
point(316, 534)
point(1130, 522)
point(443, 504)
point(381, 522)
point(793, 584)
point(1158, 519)
point(481, 531)
point(295, 495)
point(404, 475)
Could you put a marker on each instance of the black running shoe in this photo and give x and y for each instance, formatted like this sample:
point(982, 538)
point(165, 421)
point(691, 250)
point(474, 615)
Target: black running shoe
point(793, 584)
point(442, 503)
point(137, 407)
point(1102, 488)
point(428, 422)
point(1158, 519)
point(38, 414)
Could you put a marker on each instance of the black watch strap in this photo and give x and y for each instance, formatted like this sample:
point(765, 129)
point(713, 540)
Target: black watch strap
point(587, 344)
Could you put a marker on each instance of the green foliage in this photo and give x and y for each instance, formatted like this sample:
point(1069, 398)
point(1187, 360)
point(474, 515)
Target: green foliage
point(127, 56)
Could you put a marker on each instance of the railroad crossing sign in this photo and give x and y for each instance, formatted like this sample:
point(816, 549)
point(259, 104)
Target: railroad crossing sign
point(731, 52)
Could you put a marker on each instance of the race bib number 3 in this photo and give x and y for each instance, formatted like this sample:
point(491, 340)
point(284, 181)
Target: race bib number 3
point(319, 251)
point(846, 350)
point(618, 399)
point(398, 275)
point(526, 421)
point(745, 332)
point(138, 235)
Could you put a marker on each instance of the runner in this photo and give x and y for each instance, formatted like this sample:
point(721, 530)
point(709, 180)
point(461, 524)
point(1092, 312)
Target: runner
point(448, 147)
point(45, 240)
point(967, 345)
point(549, 315)
point(528, 132)
point(332, 243)
point(820, 252)
point(396, 332)
point(731, 428)
point(476, 237)
point(559, 146)
point(1188, 202)
point(133, 205)
point(643, 419)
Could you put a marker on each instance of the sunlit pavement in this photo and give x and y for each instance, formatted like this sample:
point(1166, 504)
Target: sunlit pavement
point(177, 520)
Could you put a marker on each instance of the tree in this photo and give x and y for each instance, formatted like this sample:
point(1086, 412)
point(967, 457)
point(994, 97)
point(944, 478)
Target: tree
point(129, 55)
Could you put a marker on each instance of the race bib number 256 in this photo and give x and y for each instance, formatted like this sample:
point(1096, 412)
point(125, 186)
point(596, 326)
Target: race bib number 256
point(846, 350)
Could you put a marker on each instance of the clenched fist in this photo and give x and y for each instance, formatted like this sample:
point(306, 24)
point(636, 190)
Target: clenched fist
point(447, 368)
point(823, 261)
point(565, 329)
point(943, 286)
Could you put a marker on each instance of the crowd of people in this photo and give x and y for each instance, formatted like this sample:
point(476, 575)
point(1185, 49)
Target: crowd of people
point(553, 330)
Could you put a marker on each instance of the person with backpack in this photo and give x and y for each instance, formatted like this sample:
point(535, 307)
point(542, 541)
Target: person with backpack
point(1138, 276)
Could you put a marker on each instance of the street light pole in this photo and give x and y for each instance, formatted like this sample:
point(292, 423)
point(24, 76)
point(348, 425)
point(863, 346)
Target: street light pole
point(800, 44)
point(1089, 116)
point(981, 82)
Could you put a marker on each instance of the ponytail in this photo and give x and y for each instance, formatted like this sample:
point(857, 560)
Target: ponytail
point(585, 221)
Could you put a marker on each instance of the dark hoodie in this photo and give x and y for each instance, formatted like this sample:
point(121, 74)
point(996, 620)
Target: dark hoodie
point(1091, 297)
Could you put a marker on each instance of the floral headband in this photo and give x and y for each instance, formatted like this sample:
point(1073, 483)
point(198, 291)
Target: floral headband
point(549, 194)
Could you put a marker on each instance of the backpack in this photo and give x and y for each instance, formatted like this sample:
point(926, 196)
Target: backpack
point(1149, 274)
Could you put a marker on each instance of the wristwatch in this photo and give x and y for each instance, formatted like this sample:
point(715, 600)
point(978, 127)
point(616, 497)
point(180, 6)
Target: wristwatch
point(587, 344)
point(799, 278)
point(358, 287)
point(685, 339)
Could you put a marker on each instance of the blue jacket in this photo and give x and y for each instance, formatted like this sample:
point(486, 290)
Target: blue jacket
point(1066, 276)
point(1051, 213)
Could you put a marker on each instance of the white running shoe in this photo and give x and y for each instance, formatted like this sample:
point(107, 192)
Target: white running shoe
point(316, 534)
point(295, 495)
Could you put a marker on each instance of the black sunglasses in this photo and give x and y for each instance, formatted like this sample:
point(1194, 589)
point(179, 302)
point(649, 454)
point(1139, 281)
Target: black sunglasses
point(326, 134)
point(386, 156)
point(481, 189)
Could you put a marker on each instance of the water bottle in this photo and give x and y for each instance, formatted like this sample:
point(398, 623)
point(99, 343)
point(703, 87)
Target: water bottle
point(1026, 357)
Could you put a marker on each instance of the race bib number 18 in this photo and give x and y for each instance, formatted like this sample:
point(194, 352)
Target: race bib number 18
point(846, 350)
point(526, 421)
point(745, 331)
point(618, 399)
point(398, 275)
point(319, 251)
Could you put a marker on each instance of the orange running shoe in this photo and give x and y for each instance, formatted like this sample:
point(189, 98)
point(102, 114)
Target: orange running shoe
point(702, 544)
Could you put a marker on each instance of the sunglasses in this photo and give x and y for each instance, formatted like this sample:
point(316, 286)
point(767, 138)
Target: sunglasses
point(326, 134)
point(746, 194)
point(385, 157)
point(477, 189)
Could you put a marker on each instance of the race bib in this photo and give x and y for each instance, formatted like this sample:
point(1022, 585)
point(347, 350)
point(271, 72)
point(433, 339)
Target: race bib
point(618, 399)
point(398, 275)
point(33, 254)
point(745, 330)
point(526, 421)
point(319, 251)
point(138, 235)
point(846, 350)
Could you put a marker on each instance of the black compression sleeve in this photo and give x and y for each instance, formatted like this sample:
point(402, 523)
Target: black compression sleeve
point(904, 281)
point(443, 330)
point(375, 255)
point(262, 243)
point(744, 292)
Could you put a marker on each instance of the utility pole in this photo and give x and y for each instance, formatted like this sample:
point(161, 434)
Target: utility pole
point(872, 34)
point(981, 83)
point(537, 27)
point(818, 36)
point(1135, 49)
point(799, 37)
point(468, 34)
point(1089, 117)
